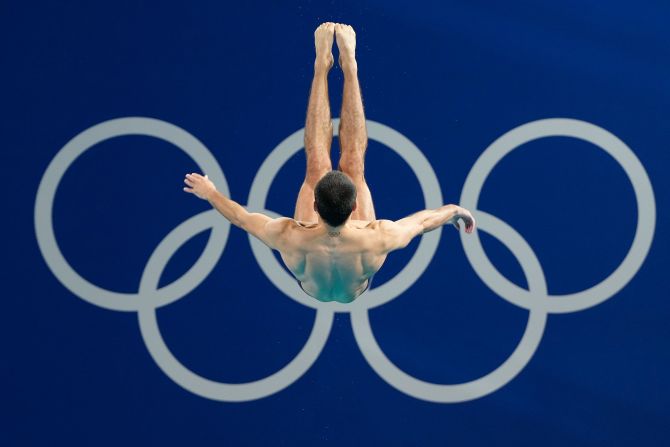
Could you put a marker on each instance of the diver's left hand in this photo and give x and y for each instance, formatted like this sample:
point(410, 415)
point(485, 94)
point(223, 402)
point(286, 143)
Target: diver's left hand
point(466, 217)
point(201, 186)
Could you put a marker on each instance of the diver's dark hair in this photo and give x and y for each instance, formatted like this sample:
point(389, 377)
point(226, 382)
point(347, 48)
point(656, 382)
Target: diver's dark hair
point(335, 196)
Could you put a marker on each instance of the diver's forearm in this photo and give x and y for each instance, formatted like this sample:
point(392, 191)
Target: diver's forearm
point(230, 209)
point(440, 216)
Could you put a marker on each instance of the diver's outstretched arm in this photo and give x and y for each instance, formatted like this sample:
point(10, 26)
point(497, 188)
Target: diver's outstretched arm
point(270, 231)
point(398, 234)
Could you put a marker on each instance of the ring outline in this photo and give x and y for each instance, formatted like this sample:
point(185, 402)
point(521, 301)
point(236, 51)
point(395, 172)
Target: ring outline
point(46, 192)
point(499, 377)
point(644, 196)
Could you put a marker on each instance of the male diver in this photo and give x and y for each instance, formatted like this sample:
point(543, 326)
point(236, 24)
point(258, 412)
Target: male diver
point(334, 244)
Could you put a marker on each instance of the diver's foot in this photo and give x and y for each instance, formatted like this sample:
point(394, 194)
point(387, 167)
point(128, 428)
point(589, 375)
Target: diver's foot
point(346, 43)
point(323, 42)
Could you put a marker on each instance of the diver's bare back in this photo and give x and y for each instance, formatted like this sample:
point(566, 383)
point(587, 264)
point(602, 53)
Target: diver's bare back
point(333, 266)
point(338, 267)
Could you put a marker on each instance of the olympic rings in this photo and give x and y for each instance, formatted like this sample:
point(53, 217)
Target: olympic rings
point(646, 212)
point(536, 299)
point(46, 193)
point(495, 379)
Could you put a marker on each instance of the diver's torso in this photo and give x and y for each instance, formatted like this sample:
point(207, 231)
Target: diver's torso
point(333, 267)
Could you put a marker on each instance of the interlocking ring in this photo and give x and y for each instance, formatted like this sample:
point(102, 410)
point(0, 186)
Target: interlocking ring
point(536, 299)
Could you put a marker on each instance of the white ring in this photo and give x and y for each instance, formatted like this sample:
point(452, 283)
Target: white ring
point(432, 196)
point(497, 378)
point(199, 385)
point(646, 212)
point(46, 193)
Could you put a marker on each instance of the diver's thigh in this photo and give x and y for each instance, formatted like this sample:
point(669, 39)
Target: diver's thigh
point(365, 208)
point(304, 206)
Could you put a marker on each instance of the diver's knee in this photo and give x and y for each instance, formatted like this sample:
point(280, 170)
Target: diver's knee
point(353, 167)
point(316, 173)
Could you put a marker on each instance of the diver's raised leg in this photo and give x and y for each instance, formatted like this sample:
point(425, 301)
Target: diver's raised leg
point(318, 125)
point(353, 133)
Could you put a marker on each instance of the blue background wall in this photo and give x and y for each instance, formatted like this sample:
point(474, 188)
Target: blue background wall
point(452, 77)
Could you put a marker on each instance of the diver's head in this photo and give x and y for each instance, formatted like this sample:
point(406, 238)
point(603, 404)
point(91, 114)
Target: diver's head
point(335, 198)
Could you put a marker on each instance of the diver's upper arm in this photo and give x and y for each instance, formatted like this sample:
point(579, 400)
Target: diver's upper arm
point(397, 235)
point(270, 231)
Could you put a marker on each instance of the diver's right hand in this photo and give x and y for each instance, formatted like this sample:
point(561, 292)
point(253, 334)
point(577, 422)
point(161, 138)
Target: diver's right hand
point(201, 186)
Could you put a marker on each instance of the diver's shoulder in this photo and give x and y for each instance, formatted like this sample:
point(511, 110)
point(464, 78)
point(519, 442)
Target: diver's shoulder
point(297, 224)
point(376, 230)
point(380, 224)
